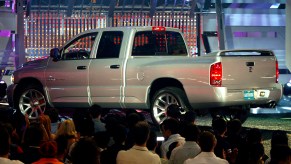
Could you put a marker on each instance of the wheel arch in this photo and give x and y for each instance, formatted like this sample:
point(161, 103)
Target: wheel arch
point(162, 83)
point(26, 82)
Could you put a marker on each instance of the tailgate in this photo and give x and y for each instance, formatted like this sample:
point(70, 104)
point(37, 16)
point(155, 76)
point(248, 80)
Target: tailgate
point(248, 69)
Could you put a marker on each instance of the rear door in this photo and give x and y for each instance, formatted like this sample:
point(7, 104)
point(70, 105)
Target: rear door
point(248, 69)
point(105, 73)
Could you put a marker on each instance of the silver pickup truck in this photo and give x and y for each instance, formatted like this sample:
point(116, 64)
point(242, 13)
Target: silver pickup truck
point(145, 68)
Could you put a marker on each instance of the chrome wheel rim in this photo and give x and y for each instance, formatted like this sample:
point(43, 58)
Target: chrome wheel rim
point(32, 103)
point(161, 104)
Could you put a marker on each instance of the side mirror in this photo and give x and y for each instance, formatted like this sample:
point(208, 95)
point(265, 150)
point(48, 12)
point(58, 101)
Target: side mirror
point(55, 54)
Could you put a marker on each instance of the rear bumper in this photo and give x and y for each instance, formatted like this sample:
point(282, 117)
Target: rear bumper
point(211, 97)
point(10, 94)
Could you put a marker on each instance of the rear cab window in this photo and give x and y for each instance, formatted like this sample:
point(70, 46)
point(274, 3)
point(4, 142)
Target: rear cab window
point(166, 43)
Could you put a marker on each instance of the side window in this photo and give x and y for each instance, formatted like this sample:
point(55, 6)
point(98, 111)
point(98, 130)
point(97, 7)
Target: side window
point(109, 46)
point(80, 48)
point(148, 43)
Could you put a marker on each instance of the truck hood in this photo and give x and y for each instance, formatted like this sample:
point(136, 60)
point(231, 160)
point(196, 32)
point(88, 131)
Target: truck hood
point(36, 63)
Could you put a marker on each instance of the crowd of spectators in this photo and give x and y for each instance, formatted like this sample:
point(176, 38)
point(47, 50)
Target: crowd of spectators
point(129, 138)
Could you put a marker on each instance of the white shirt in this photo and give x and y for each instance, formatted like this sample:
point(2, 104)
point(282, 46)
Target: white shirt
point(173, 138)
point(8, 161)
point(206, 158)
point(189, 150)
point(137, 155)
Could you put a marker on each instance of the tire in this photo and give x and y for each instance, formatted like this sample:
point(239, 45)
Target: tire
point(165, 97)
point(229, 113)
point(30, 100)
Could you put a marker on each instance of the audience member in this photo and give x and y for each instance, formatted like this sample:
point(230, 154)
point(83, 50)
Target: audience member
point(234, 137)
point(207, 143)
point(67, 128)
point(5, 142)
point(190, 149)
point(279, 138)
point(102, 139)
point(280, 154)
point(170, 128)
point(85, 151)
point(171, 148)
point(139, 153)
point(152, 144)
point(219, 126)
point(131, 119)
point(34, 135)
point(46, 122)
point(62, 147)
point(256, 153)
point(95, 112)
point(109, 155)
point(253, 136)
point(174, 111)
point(54, 117)
point(48, 152)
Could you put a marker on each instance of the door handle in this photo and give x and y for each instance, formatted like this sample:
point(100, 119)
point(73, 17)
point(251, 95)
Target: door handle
point(81, 67)
point(250, 64)
point(115, 66)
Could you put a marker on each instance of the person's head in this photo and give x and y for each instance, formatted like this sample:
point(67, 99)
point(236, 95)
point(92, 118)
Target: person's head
point(191, 132)
point(132, 118)
point(86, 127)
point(207, 141)
point(173, 111)
point(279, 137)
point(48, 149)
point(219, 126)
point(53, 114)
point(256, 152)
point(102, 139)
point(85, 151)
point(46, 122)
point(254, 135)
point(190, 117)
point(4, 141)
point(280, 154)
point(34, 135)
point(95, 111)
point(169, 126)
point(66, 128)
point(141, 131)
point(234, 126)
point(152, 142)
point(62, 144)
point(119, 133)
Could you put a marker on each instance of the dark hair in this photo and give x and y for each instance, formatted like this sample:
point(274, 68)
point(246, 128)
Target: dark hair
point(171, 124)
point(173, 111)
point(62, 144)
point(191, 132)
point(279, 137)
point(254, 135)
point(95, 110)
point(48, 149)
point(86, 127)
point(33, 135)
point(207, 141)
point(119, 133)
point(234, 126)
point(53, 114)
point(141, 132)
point(219, 125)
point(85, 151)
point(280, 153)
point(4, 141)
point(189, 116)
point(256, 151)
point(152, 141)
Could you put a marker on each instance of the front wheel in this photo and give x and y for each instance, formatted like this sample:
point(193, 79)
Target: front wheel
point(165, 97)
point(30, 101)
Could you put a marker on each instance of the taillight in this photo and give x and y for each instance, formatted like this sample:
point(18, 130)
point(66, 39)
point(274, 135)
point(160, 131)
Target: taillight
point(277, 72)
point(158, 29)
point(216, 74)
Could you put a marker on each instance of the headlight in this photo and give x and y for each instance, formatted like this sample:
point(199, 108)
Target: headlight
point(12, 79)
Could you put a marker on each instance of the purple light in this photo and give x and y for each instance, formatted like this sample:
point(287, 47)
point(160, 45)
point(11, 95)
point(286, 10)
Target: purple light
point(5, 33)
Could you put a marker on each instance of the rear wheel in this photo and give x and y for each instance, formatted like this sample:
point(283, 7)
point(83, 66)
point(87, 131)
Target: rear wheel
point(230, 113)
point(165, 97)
point(30, 101)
